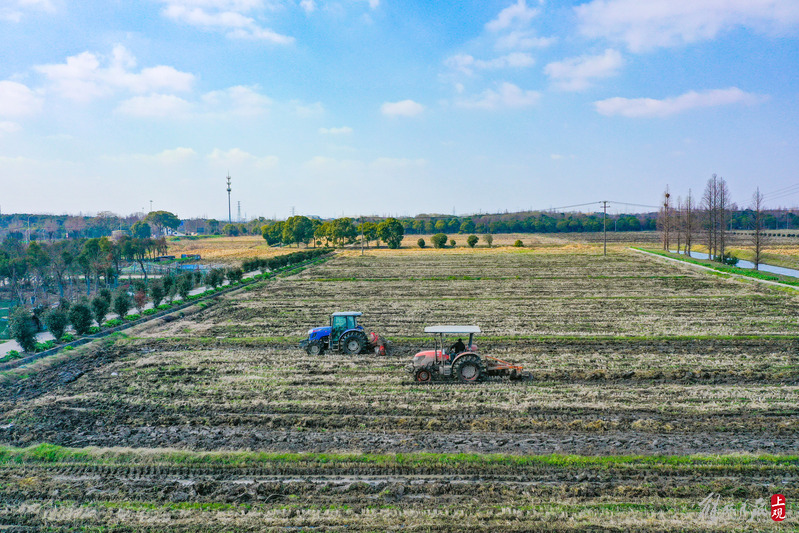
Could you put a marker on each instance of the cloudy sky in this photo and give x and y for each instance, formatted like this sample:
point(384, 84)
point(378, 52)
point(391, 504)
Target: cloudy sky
point(392, 107)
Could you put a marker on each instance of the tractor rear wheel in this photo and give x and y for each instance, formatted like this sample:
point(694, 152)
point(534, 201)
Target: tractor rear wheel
point(353, 342)
point(423, 375)
point(468, 369)
point(315, 348)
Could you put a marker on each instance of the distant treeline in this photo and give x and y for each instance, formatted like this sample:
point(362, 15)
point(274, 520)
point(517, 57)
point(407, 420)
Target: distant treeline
point(56, 227)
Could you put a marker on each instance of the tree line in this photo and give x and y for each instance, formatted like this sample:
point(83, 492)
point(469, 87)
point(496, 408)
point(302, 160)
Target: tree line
point(338, 232)
point(707, 220)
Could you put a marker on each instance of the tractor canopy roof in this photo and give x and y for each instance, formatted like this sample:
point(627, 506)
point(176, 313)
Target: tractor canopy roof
point(452, 329)
point(347, 313)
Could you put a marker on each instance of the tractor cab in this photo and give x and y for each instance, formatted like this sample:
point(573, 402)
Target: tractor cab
point(340, 323)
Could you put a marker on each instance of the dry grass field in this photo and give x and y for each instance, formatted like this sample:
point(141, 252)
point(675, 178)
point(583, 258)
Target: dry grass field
point(663, 399)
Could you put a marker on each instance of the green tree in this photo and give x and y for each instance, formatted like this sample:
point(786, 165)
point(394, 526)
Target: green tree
point(185, 284)
point(56, 322)
point(439, 240)
point(518, 244)
point(391, 232)
point(21, 328)
point(452, 242)
point(157, 292)
point(213, 225)
point(297, 229)
point(489, 239)
point(122, 303)
point(100, 307)
point(421, 243)
point(141, 230)
point(472, 240)
point(81, 317)
point(162, 220)
point(231, 230)
point(467, 226)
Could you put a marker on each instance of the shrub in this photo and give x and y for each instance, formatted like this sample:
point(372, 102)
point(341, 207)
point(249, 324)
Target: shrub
point(170, 284)
point(439, 240)
point(518, 244)
point(22, 329)
point(489, 239)
point(185, 285)
point(157, 292)
point(100, 308)
point(472, 240)
point(114, 322)
point(148, 312)
point(94, 329)
point(131, 318)
point(235, 275)
point(66, 337)
point(140, 298)
point(106, 295)
point(215, 277)
point(164, 307)
point(421, 243)
point(122, 303)
point(452, 242)
point(81, 317)
point(56, 321)
point(42, 346)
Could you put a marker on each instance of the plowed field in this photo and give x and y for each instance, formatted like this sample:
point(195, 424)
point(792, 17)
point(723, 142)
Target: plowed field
point(663, 398)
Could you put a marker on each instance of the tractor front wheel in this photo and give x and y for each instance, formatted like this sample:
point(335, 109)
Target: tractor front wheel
point(315, 348)
point(423, 375)
point(468, 369)
point(352, 343)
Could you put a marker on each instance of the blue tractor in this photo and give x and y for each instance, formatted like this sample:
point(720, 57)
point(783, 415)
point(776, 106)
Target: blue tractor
point(343, 335)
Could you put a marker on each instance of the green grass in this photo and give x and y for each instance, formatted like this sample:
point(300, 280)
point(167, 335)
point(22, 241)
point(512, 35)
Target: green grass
point(50, 453)
point(766, 276)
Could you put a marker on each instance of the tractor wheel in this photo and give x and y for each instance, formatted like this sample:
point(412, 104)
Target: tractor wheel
point(423, 375)
point(352, 343)
point(468, 369)
point(315, 348)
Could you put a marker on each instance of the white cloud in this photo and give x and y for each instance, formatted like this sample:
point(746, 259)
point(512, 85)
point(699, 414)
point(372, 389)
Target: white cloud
point(575, 74)
point(237, 158)
point(650, 107)
point(308, 110)
point(467, 63)
point(657, 23)
point(239, 100)
point(17, 100)
point(155, 106)
point(83, 77)
point(523, 40)
point(15, 10)
point(344, 130)
point(405, 108)
point(177, 155)
point(9, 127)
point(507, 95)
point(309, 6)
point(515, 14)
point(228, 16)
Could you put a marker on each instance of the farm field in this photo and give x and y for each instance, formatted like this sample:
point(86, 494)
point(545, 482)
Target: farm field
point(663, 398)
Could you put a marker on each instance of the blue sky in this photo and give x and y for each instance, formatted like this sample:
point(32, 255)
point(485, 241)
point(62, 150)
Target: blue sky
point(384, 107)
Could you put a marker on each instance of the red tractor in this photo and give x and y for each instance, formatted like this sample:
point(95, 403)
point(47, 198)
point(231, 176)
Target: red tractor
point(458, 361)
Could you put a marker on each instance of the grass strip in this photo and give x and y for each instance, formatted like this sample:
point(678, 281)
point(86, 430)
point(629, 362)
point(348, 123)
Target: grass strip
point(749, 273)
point(51, 454)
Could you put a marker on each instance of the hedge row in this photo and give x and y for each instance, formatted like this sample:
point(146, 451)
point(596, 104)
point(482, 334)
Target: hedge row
point(282, 261)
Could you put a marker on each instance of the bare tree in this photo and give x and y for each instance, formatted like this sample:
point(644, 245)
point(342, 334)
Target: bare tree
point(689, 222)
point(665, 220)
point(709, 208)
point(758, 236)
point(724, 207)
point(716, 206)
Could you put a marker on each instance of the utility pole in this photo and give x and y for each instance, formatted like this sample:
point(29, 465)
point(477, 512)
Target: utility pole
point(151, 206)
point(361, 234)
point(229, 217)
point(238, 214)
point(604, 227)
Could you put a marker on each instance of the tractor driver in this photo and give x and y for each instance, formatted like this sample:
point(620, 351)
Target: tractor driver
point(457, 348)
